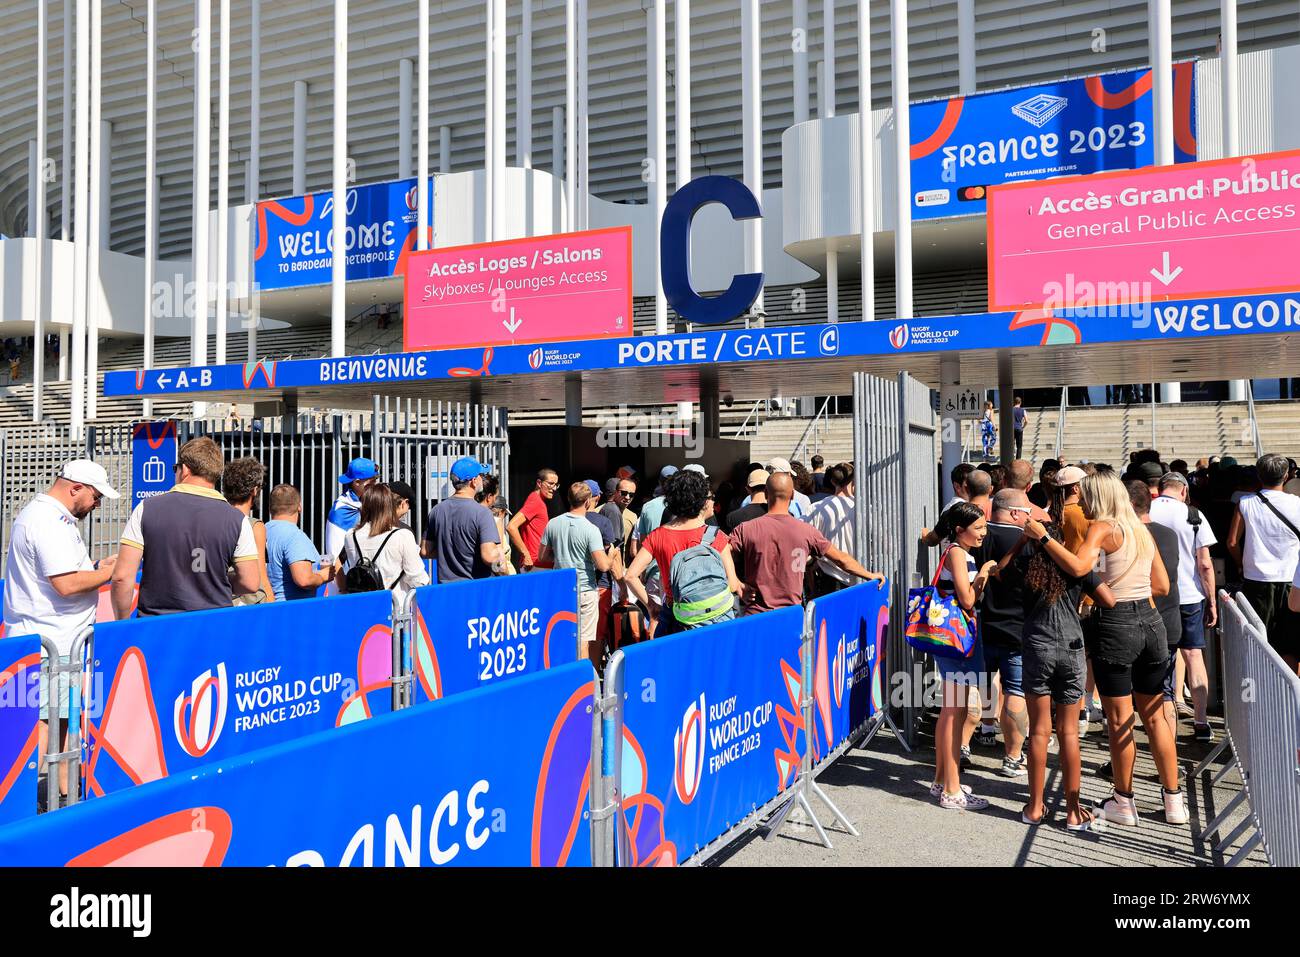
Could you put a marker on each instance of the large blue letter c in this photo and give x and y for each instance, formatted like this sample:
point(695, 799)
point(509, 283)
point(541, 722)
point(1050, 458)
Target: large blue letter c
point(675, 250)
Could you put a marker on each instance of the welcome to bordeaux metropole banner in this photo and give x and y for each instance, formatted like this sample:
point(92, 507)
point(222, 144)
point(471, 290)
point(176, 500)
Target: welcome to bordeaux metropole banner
point(500, 775)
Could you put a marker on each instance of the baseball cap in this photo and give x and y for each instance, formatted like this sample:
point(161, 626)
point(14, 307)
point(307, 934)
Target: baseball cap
point(1070, 475)
point(467, 469)
point(1150, 471)
point(667, 472)
point(359, 470)
point(757, 477)
point(86, 472)
point(402, 490)
point(594, 486)
point(696, 468)
point(611, 485)
point(1177, 478)
point(780, 465)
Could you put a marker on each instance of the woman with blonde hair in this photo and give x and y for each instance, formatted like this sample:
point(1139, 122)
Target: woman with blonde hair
point(1127, 646)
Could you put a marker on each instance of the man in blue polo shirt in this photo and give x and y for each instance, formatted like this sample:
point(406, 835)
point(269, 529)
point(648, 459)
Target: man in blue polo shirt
point(346, 512)
point(460, 532)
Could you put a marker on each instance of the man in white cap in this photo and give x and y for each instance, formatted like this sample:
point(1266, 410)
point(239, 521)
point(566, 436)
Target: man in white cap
point(801, 504)
point(51, 585)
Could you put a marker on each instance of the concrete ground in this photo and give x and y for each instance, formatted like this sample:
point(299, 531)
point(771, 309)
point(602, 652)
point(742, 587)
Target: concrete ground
point(883, 791)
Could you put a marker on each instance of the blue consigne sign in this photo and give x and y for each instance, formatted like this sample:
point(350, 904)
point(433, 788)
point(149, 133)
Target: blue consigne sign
point(153, 458)
point(295, 242)
point(963, 145)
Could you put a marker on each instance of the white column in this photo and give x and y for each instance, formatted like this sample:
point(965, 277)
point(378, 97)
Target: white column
point(583, 155)
point(65, 346)
point(657, 117)
point(338, 274)
point(799, 39)
point(1228, 66)
point(1231, 139)
point(751, 111)
point(965, 47)
point(299, 137)
point(94, 232)
point(150, 182)
point(571, 113)
point(489, 127)
point(37, 215)
point(902, 160)
point(65, 168)
point(524, 90)
point(202, 176)
point(499, 208)
point(444, 149)
point(422, 167)
point(405, 79)
point(682, 89)
point(827, 109)
point(1162, 86)
point(866, 159)
point(832, 286)
point(253, 179)
point(223, 178)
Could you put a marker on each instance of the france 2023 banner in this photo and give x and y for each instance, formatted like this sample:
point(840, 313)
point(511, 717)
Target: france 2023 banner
point(20, 699)
point(712, 729)
point(172, 693)
point(499, 777)
point(295, 242)
point(850, 630)
point(963, 145)
point(471, 634)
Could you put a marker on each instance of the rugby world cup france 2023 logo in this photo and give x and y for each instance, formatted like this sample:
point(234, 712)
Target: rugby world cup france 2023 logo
point(688, 752)
point(200, 714)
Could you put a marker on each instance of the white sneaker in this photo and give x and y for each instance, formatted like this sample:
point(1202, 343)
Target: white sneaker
point(1120, 810)
point(962, 802)
point(1175, 807)
point(936, 789)
point(1083, 727)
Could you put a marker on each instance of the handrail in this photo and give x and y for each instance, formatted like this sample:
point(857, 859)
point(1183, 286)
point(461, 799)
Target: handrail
point(1060, 422)
point(753, 414)
point(802, 445)
point(1254, 422)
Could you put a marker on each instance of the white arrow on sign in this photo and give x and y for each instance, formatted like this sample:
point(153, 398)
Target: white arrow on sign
point(163, 381)
point(512, 323)
point(1164, 275)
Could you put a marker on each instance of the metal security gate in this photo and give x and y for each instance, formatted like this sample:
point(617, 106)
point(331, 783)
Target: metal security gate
point(896, 496)
point(408, 439)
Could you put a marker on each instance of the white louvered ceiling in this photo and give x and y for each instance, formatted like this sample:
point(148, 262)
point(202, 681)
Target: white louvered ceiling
point(1018, 41)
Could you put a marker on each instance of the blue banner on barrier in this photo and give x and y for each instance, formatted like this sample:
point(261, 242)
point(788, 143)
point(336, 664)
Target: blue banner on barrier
point(175, 692)
point(965, 144)
point(470, 634)
point(500, 777)
point(20, 676)
point(153, 459)
point(850, 628)
point(712, 729)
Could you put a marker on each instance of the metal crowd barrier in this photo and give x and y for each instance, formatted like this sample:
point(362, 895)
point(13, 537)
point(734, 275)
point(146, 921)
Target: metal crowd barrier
point(54, 674)
point(1262, 717)
point(610, 841)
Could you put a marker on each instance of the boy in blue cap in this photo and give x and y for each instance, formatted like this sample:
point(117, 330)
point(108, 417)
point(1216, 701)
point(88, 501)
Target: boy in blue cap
point(346, 512)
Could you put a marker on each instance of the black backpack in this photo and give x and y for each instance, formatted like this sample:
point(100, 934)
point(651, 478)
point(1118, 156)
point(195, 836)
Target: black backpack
point(364, 575)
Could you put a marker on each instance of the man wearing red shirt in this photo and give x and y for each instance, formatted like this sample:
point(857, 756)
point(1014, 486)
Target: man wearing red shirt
point(528, 524)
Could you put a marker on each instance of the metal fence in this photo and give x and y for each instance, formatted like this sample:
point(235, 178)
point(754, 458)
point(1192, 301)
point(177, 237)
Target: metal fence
point(1262, 718)
point(409, 439)
point(896, 496)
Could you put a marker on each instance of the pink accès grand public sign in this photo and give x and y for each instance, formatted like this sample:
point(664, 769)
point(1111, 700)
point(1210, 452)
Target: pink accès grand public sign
point(1219, 227)
point(541, 289)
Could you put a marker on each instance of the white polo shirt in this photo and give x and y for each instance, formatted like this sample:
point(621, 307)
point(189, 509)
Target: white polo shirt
point(46, 542)
point(1270, 550)
point(1172, 514)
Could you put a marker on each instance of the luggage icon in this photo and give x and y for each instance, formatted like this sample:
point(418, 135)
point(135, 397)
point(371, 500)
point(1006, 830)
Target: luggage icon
point(155, 470)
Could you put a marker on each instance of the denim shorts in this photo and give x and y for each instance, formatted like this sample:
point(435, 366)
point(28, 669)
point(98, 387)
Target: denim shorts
point(1193, 626)
point(1128, 649)
point(964, 671)
point(1009, 663)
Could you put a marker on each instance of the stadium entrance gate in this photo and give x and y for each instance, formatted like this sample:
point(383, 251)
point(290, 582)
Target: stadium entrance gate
point(412, 440)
